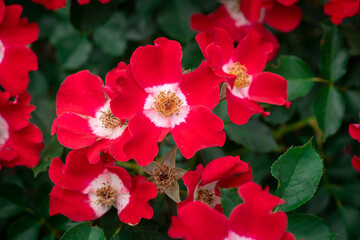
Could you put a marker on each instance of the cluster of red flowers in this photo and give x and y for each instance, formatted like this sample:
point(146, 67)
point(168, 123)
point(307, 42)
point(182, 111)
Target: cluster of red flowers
point(20, 141)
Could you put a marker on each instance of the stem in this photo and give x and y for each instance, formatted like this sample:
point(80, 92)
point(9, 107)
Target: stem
point(117, 230)
point(293, 127)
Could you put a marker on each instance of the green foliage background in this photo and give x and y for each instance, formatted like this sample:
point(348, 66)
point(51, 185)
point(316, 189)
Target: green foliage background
point(320, 61)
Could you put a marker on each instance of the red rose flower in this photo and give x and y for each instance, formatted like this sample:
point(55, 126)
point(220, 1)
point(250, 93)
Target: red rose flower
point(354, 130)
point(157, 99)
point(82, 2)
point(242, 67)
point(340, 9)
point(204, 183)
point(20, 141)
point(85, 191)
point(85, 119)
point(251, 220)
point(16, 60)
point(250, 15)
point(51, 4)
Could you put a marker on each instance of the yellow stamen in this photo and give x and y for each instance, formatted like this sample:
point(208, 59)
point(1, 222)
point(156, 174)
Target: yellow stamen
point(109, 120)
point(106, 196)
point(242, 77)
point(167, 104)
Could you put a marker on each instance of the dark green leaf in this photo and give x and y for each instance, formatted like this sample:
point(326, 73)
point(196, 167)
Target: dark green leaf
point(229, 200)
point(41, 198)
point(329, 109)
point(72, 47)
point(139, 28)
point(352, 35)
point(298, 74)
point(352, 99)
point(308, 227)
point(25, 227)
point(254, 135)
point(110, 36)
point(83, 231)
point(12, 200)
point(298, 171)
point(335, 55)
point(174, 19)
point(89, 16)
point(147, 7)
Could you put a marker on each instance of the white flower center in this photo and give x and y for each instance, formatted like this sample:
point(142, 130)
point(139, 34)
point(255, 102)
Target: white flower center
point(105, 191)
point(105, 124)
point(2, 51)
point(233, 8)
point(166, 105)
point(234, 236)
point(4, 131)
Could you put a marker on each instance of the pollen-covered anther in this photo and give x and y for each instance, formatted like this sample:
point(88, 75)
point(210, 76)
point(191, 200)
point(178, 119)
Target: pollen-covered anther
point(242, 77)
point(164, 177)
point(167, 104)
point(106, 196)
point(109, 120)
point(206, 196)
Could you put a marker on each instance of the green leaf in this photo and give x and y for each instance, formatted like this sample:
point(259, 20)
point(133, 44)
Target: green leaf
point(254, 135)
point(335, 55)
point(12, 200)
point(73, 48)
point(308, 227)
point(352, 35)
point(174, 19)
point(352, 99)
point(110, 36)
point(298, 74)
point(25, 227)
point(329, 109)
point(229, 200)
point(42, 199)
point(52, 149)
point(83, 231)
point(89, 16)
point(139, 28)
point(298, 171)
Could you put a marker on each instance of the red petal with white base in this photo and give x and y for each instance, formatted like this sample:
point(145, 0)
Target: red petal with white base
point(157, 64)
point(138, 206)
point(80, 93)
point(73, 131)
point(282, 18)
point(201, 87)
point(130, 98)
point(241, 109)
point(145, 136)
point(14, 68)
point(16, 30)
point(354, 130)
point(252, 52)
point(77, 174)
point(223, 167)
point(73, 205)
point(268, 88)
point(27, 142)
point(201, 129)
point(191, 180)
point(197, 220)
point(253, 218)
point(17, 112)
point(221, 38)
point(355, 162)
